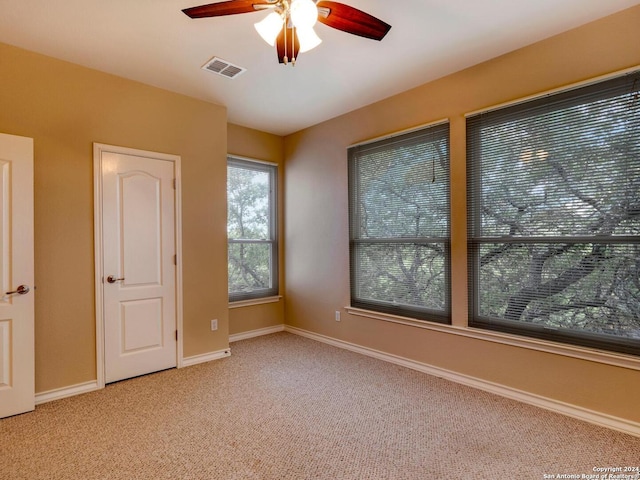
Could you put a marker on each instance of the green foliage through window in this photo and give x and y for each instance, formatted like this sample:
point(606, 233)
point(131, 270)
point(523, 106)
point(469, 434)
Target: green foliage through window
point(399, 215)
point(554, 195)
point(251, 229)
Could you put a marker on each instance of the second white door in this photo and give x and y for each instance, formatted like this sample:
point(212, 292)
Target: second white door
point(138, 264)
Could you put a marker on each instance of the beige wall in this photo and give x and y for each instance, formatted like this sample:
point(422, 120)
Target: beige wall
point(317, 258)
point(66, 108)
point(256, 145)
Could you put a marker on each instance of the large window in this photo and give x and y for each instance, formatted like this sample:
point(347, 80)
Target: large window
point(554, 209)
point(251, 229)
point(399, 224)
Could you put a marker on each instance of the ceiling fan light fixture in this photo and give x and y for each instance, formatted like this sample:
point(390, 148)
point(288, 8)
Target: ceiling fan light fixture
point(308, 39)
point(269, 27)
point(289, 25)
point(304, 13)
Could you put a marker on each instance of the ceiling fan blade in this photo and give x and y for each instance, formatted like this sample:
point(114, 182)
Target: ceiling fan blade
point(230, 7)
point(291, 41)
point(351, 20)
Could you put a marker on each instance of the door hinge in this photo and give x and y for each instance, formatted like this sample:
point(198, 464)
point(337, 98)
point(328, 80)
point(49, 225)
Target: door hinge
point(175, 259)
point(174, 183)
point(176, 335)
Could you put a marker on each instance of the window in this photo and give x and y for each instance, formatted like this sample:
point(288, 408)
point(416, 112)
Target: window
point(251, 229)
point(399, 224)
point(554, 210)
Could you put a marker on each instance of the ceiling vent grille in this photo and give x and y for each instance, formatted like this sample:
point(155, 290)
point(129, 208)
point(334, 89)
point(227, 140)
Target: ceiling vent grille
point(222, 67)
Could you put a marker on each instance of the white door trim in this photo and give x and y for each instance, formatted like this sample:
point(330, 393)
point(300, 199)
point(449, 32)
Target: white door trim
point(98, 150)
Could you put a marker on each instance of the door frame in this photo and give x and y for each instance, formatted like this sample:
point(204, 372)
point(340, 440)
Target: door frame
point(98, 150)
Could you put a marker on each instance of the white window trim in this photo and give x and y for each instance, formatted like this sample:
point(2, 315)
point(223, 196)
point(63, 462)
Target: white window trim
point(255, 301)
point(573, 351)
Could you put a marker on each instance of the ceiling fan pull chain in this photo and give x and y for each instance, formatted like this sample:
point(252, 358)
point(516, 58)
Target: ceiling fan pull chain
point(286, 59)
point(293, 46)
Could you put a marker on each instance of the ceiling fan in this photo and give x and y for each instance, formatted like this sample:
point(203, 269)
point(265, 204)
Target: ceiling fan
point(289, 26)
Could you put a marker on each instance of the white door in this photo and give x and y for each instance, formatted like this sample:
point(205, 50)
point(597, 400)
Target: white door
point(138, 264)
point(17, 390)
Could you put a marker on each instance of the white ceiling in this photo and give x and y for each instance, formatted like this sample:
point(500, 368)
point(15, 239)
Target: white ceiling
point(153, 42)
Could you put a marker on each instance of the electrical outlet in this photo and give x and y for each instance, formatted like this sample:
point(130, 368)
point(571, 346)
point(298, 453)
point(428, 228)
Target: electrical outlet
point(337, 315)
point(214, 325)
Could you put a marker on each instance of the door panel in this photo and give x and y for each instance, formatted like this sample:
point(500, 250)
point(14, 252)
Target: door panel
point(5, 353)
point(138, 210)
point(142, 325)
point(17, 390)
point(141, 228)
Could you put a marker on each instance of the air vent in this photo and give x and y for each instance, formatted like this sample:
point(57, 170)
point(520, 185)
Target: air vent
point(224, 68)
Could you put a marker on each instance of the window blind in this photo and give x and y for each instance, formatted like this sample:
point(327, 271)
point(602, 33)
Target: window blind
point(399, 224)
point(554, 216)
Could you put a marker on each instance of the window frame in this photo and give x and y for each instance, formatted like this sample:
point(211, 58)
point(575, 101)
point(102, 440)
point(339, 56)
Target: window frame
point(385, 307)
point(272, 170)
point(595, 91)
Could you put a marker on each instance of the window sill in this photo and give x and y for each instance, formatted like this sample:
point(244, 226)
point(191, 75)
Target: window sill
point(255, 301)
point(583, 353)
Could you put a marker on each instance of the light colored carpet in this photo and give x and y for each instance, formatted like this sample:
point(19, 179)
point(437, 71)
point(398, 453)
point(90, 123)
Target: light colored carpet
point(286, 407)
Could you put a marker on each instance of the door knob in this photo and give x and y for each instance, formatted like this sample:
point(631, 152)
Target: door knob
point(21, 290)
point(113, 279)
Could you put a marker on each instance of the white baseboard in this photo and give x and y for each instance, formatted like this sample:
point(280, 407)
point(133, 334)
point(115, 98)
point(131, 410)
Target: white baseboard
point(80, 388)
point(593, 417)
point(236, 337)
point(64, 392)
point(205, 357)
